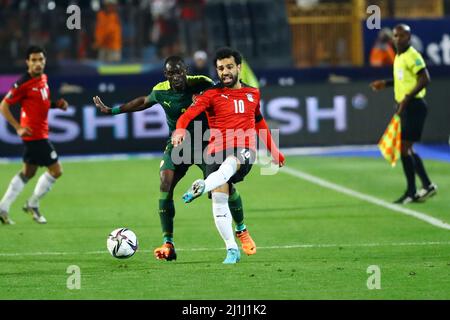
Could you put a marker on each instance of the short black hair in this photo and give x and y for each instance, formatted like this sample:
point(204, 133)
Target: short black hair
point(404, 27)
point(35, 49)
point(226, 52)
point(174, 59)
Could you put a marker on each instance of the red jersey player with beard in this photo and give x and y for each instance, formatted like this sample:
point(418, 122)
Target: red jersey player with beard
point(33, 94)
point(234, 117)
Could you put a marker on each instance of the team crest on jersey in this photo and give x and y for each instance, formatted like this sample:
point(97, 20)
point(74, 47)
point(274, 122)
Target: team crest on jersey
point(250, 97)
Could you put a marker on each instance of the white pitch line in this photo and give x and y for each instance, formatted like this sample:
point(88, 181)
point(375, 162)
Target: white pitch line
point(293, 246)
point(329, 185)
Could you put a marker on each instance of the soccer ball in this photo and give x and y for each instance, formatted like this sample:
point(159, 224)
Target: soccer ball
point(122, 243)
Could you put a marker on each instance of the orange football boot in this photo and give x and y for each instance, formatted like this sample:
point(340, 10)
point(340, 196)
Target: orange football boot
point(166, 252)
point(248, 245)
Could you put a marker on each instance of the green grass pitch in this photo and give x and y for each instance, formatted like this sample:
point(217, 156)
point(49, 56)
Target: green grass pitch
point(313, 243)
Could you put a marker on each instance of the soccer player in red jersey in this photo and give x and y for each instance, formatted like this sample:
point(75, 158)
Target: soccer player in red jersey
point(234, 117)
point(33, 94)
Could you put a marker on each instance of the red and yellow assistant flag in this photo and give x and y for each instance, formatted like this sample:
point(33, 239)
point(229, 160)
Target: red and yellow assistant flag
point(390, 142)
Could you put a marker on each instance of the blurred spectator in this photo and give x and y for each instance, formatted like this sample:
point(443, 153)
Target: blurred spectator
point(108, 33)
point(12, 39)
point(200, 65)
point(83, 45)
point(383, 53)
point(164, 30)
point(322, 53)
point(191, 25)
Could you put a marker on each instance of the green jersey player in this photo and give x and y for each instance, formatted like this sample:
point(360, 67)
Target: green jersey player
point(175, 95)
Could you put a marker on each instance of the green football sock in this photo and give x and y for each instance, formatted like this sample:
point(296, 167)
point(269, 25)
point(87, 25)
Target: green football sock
point(237, 211)
point(166, 215)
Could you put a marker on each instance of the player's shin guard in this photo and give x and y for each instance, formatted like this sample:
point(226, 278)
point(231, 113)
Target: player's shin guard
point(226, 170)
point(166, 215)
point(43, 186)
point(223, 220)
point(14, 189)
point(237, 211)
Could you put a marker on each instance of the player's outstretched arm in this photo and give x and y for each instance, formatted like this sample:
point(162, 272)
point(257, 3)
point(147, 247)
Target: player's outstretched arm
point(265, 135)
point(138, 104)
point(182, 123)
point(6, 112)
point(200, 104)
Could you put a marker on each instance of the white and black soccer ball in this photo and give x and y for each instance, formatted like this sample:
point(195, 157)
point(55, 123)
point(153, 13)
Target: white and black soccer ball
point(122, 243)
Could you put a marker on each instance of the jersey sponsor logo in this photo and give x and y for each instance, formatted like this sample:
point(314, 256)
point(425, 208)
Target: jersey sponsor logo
point(400, 74)
point(250, 97)
point(35, 89)
point(224, 95)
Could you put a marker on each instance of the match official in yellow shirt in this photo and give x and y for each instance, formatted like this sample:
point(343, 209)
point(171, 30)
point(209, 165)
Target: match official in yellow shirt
point(410, 79)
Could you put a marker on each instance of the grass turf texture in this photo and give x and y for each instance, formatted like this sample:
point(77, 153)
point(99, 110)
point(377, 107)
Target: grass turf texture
point(346, 235)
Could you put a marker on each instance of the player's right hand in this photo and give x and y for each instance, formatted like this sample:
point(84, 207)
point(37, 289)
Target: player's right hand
point(378, 85)
point(100, 105)
point(24, 132)
point(178, 137)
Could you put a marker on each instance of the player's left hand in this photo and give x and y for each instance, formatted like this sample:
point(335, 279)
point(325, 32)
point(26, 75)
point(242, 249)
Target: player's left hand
point(178, 137)
point(100, 105)
point(280, 161)
point(62, 104)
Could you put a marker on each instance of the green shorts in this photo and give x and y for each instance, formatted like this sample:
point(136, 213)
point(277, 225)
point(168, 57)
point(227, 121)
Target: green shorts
point(181, 169)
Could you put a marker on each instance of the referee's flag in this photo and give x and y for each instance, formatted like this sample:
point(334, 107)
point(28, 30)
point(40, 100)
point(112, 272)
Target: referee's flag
point(390, 142)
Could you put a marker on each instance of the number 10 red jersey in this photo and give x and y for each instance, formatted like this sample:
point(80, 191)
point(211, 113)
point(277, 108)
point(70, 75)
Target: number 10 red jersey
point(231, 113)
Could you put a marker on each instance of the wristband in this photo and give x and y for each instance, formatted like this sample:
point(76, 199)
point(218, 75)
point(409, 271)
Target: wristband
point(115, 110)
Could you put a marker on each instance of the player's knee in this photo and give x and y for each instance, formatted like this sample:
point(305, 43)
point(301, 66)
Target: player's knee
point(232, 162)
point(56, 173)
point(27, 175)
point(405, 150)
